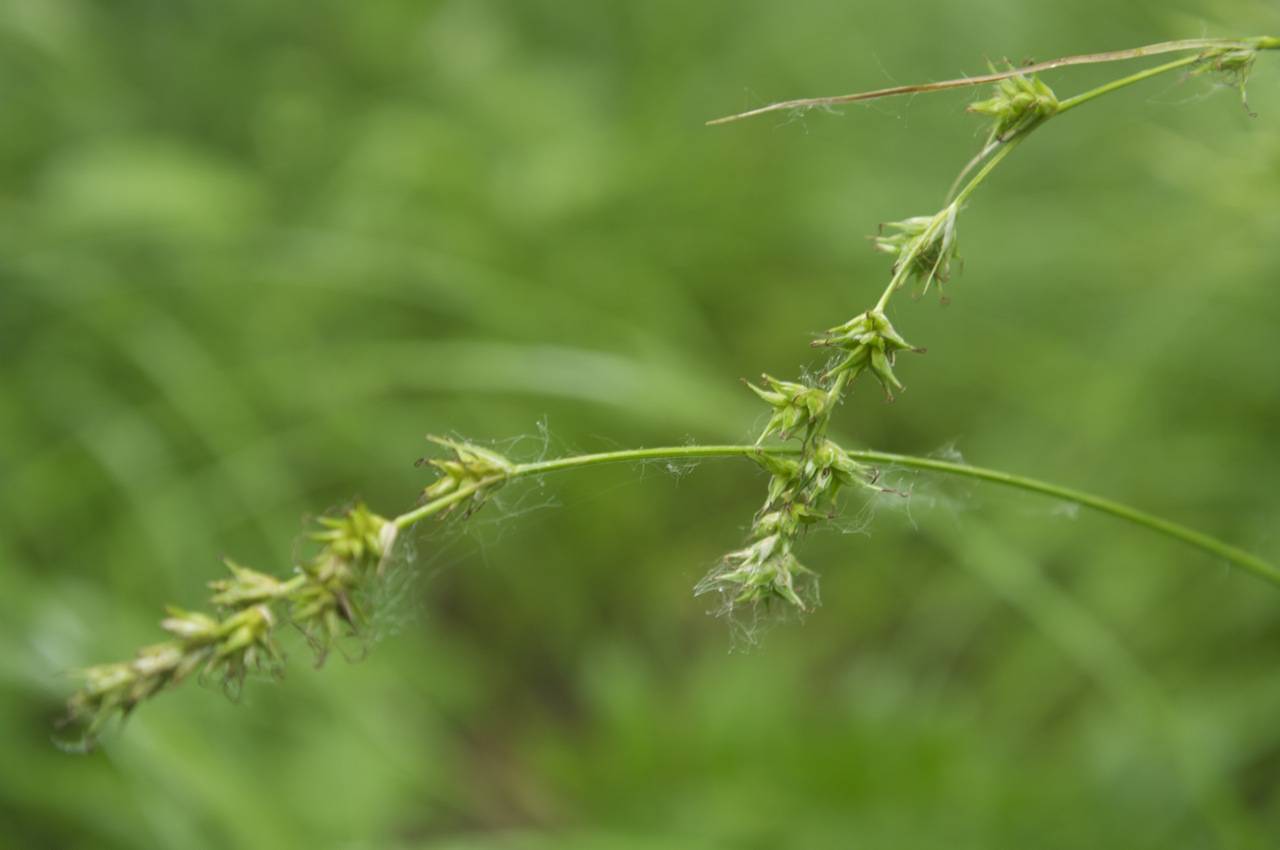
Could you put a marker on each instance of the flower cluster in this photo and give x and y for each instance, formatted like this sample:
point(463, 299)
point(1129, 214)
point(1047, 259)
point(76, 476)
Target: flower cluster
point(472, 469)
point(925, 247)
point(239, 640)
point(1019, 105)
point(870, 343)
point(795, 406)
point(802, 491)
point(764, 571)
point(354, 550)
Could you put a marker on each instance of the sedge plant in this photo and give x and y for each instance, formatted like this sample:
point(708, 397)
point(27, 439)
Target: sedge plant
point(327, 596)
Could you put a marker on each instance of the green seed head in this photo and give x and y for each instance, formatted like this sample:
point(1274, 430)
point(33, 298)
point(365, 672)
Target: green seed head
point(245, 587)
point(925, 247)
point(871, 343)
point(358, 536)
point(246, 647)
point(194, 627)
point(1017, 107)
point(762, 574)
point(470, 465)
point(829, 469)
point(111, 690)
point(795, 406)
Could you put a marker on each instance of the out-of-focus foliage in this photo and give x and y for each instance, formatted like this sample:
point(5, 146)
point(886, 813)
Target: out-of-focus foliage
point(251, 252)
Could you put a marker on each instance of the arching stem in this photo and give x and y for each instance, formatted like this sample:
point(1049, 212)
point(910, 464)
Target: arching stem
point(1204, 542)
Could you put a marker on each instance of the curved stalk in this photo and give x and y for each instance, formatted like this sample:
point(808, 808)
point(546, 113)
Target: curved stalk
point(1204, 542)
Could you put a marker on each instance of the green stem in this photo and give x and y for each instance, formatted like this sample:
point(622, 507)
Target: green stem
point(1168, 528)
point(525, 470)
point(1085, 97)
point(976, 181)
point(1206, 543)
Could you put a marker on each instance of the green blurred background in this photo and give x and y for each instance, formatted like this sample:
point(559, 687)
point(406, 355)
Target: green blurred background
point(252, 252)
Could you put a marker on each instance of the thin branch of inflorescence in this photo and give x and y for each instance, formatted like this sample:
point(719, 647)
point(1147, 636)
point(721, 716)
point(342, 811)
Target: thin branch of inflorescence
point(1197, 44)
